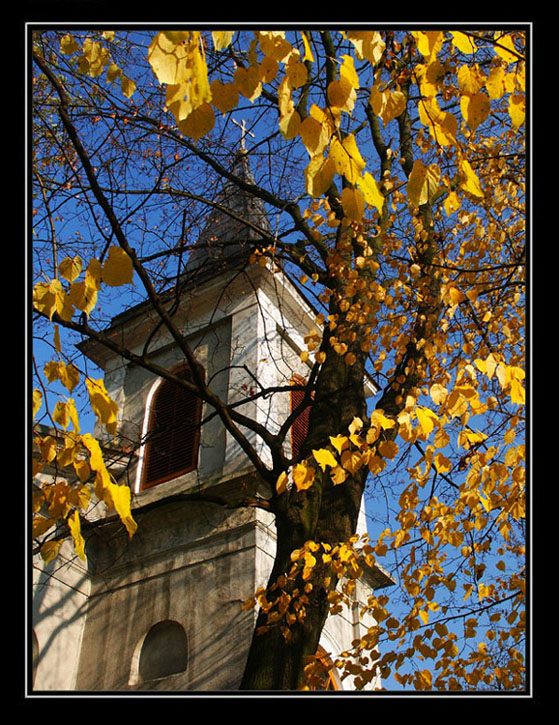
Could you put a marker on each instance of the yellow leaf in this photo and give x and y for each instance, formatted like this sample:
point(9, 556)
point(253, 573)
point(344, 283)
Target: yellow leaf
point(388, 449)
point(429, 43)
point(517, 109)
point(83, 296)
point(441, 438)
point(199, 122)
point(41, 524)
point(222, 38)
point(82, 469)
point(49, 298)
point(351, 461)
point(113, 72)
point(167, 56)
point(341, 94)
point(248, 82)
point(296, 73)
point(456, 404)
point(495, 82)
point(353, 203)
point(49, 550)
point(225, 96)
point(475, 109)
point(47, 446)
point(470, 79)
point(127, 86)
point(517, 394)
point(303, 476)
point(423, 182)
point(368, 44)
point(95, 456)
point(469, 181)
point(118, 268)
point(75, 531)
point(68, 45)
point(339, 442)
point(70, 268)
point(442, 125)
point(504, 44)
point(347, 71)
point(274, 43)
point(324, 458)
point(60, 414)
point(103, 407)
point(37, 401)
point(355, 425)
point(451, 203)
point(438, 393)
point(73, 414)
point(315, 134)
point(463, 42)
point(426, 419)
point(442, 464)
point(119, 497)
point(387, 104)
point(319, 174)
point(310, 562)
point(347, 158)
point(371, 191)
point(378, 418)
point(70, 377)
point(308, 52)
point(281, 483)
point(290, 124)
point(338, 475)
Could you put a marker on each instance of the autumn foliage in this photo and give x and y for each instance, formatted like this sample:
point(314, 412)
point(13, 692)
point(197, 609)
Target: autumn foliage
point(406, 207)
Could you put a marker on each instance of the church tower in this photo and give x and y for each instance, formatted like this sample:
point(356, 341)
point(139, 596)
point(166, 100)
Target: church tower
point(164, 610)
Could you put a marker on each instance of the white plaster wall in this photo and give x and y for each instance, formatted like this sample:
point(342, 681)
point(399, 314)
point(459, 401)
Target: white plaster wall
point(60, 593)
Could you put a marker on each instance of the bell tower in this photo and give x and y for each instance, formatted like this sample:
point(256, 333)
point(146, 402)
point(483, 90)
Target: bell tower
point(164, 610)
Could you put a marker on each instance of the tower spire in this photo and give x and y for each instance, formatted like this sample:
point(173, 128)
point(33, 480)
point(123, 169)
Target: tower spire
point(231, 227)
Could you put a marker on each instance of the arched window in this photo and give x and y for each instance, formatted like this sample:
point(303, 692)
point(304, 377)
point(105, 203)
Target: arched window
point(164, 651)
point(329, 679)
point(300, 427)
point(173, 434)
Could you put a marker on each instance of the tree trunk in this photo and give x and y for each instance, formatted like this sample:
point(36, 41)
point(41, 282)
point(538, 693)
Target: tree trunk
point(322, 513)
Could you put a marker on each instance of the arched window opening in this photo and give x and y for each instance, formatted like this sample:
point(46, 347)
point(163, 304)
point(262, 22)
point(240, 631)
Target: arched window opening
point(173, 434)
point(300, 427)
point(164, 651)
point(328, 678)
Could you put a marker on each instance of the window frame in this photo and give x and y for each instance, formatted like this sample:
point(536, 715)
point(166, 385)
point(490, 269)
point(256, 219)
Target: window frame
point(144, 483)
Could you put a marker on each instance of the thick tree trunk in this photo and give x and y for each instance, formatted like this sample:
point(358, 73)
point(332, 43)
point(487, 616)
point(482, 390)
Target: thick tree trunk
point(322, 513)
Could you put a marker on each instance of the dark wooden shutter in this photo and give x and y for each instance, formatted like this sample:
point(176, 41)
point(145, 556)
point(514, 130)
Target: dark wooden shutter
point(300, 427)
point(173, 432)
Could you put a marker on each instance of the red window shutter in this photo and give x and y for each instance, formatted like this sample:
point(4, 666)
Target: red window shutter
point(173, 432)
point(300, 427)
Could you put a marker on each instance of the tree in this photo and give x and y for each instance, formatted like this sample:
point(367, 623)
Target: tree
point(398, 188)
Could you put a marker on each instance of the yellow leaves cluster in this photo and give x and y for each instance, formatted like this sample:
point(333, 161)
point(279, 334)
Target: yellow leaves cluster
point(348, 454)
point(510, 377)
point(423, 183)
point(387, 104)
point(61, 500)
point(52, 297)
point(95, 58)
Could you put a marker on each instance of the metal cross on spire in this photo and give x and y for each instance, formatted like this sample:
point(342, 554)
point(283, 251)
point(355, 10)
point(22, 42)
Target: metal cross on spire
point(244, 132)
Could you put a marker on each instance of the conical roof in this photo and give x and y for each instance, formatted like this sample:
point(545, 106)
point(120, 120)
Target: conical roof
point(231, 227)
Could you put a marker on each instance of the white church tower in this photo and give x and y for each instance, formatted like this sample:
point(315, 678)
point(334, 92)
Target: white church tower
point(164, 610)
